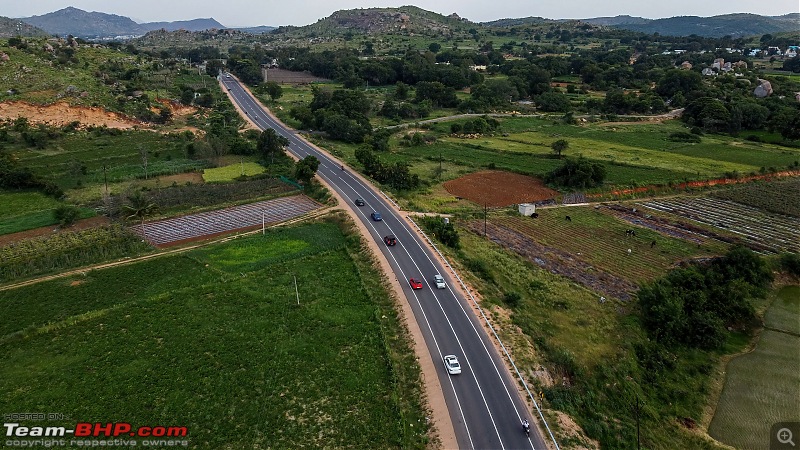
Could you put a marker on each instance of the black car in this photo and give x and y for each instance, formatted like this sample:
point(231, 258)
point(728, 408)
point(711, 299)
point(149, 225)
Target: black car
point(359, 202)
point(390, 240)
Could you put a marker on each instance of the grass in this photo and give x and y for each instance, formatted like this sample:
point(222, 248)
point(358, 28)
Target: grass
point(761, 386)
point(28, 210)
point(223, 349)
point(231, 172)
point(590, 348)
point(599, 239)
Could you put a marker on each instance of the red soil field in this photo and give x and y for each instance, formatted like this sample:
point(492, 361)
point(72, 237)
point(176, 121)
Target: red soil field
point(497, 188)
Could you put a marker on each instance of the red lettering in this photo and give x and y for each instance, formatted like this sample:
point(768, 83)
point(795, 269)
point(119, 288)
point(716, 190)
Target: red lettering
point(159, 431)
point(121, 428)
point(144, 431)
point(104, 430)
point(83, 429)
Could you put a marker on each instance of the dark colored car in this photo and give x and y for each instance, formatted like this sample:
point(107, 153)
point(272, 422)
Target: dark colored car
point(390, 240)
point(359, 202)
point(415, 283)
point(376, 216)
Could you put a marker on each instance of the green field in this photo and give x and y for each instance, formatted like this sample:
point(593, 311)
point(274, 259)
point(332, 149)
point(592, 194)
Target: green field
point(762, 386)
point(27, 210)
point(215, 340)
point(80, 157)
point(231, 172)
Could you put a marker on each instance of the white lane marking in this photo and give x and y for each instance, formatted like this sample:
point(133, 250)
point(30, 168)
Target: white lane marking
point(300, 143)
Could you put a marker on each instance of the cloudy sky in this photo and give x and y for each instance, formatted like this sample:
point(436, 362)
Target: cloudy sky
point(234, 13)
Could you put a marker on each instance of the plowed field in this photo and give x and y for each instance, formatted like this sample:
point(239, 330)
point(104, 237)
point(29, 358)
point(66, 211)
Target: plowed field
point(496, 188)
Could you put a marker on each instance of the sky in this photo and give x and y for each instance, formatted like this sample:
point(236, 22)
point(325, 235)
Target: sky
point(238, 13)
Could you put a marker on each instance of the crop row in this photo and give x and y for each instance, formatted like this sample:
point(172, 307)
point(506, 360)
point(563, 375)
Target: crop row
point(760, 229)
point(66, 250)
point(780, 197)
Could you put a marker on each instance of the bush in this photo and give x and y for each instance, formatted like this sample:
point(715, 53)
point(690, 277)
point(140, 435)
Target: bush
point(790, 262)
point(442, 231)
point(66, 215)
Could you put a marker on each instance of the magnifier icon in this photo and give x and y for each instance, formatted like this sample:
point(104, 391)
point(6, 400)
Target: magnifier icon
point(785, 436)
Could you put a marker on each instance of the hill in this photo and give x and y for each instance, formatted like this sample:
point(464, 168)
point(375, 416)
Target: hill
point(617, 20)
point(377, 21)
point(80, 23)
point(516, 22)
point(188, 25)
point(15, 27)
point(735, 25)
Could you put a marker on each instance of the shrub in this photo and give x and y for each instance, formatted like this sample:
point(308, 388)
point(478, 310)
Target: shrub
point(66, 215)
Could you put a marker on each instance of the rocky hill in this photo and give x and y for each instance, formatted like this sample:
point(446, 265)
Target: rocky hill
point(376, 21)
point(91, 25)
point(15, 27)
point(80, 23)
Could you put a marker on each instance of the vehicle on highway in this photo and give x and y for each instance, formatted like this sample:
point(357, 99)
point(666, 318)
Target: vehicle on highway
point(227, 75)
point(452, 365)
point(359, 202)
point(415, 283)
point(376, 216)
point(438, 280)
point(390, 240)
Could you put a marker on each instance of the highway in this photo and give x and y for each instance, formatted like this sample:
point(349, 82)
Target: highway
point(484, 404)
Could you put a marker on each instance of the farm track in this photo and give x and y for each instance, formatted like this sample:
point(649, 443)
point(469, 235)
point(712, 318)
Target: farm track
point(556, 261)
point(186, 228)
point(764, 231)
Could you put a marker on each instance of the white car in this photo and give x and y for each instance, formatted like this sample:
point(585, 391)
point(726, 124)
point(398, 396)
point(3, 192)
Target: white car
point(438, 280)
point(452, 365)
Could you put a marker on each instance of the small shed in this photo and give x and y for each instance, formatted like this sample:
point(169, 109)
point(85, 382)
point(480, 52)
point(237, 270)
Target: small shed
point(527, 209)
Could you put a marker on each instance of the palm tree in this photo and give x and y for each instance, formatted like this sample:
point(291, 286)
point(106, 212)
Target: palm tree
point(139, 208)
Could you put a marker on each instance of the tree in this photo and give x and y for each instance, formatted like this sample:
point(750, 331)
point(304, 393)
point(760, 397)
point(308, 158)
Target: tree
point(553, 102)
point(269, 143)
point(559, 146)
point(435, 47)
point(274, 90)
point(187, 96)
point(305, 169)
point(578, 173)
point(138, 208)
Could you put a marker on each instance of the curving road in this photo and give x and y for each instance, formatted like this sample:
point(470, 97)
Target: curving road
point(484, 403)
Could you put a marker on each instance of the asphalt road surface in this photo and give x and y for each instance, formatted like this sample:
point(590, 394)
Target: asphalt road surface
point(483, 401)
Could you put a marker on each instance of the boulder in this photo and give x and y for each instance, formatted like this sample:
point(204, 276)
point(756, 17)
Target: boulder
point(764, 89)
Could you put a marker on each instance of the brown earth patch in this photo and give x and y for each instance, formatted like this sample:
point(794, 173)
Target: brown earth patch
point(61, 113)
point(76, 283)
point(182, 178)
point(497, 188)
point(91, 222)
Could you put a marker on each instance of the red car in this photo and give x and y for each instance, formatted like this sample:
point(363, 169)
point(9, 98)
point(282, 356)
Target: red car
point(390, 240)
point(415, 283)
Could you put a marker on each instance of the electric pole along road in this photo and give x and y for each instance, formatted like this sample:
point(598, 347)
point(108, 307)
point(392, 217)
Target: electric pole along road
point(483, 401)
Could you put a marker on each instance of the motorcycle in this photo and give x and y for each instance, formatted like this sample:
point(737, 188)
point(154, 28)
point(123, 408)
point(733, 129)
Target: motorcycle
point(527, 428)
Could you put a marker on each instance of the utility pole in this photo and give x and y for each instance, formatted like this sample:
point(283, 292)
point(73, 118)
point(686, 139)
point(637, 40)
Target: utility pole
point(485, 210)
point(295, 290)
point(105, 179)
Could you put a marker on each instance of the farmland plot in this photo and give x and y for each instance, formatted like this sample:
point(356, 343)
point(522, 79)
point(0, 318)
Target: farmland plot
point(758, 229)
point(211, 223)
point(778, 196)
